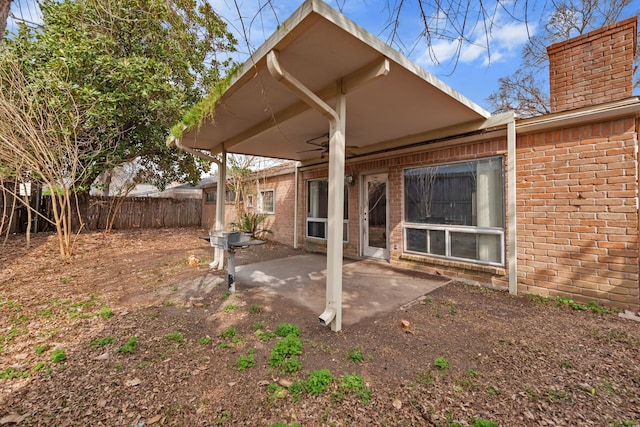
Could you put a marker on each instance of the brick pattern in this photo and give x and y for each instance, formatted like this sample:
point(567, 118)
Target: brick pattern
point(593, 68)
point(577, 213)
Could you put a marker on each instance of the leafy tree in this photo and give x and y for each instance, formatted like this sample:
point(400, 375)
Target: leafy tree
point(525, 94)
point(132, 67)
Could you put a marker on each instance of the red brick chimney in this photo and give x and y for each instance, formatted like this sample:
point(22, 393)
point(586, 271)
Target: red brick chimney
point(593, 68)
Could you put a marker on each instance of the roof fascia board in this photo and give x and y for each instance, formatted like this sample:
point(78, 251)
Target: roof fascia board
point(625, 107)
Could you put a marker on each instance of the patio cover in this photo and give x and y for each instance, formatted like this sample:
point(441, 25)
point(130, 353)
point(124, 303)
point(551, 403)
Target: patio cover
point(319, 65)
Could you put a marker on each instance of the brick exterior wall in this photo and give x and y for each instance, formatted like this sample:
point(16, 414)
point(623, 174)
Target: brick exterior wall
point(593, 68)
point(577, 214)
point(280, 222)
point(394, 167)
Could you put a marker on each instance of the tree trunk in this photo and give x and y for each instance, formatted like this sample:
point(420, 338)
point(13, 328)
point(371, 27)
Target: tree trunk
point(5, 5)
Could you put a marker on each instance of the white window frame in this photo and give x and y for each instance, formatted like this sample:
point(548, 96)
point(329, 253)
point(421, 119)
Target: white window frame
point(450, 229)
point(260, 204)
point(325, 221)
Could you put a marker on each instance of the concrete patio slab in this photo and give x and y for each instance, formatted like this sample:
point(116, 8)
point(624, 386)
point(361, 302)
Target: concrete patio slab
point(368, 288)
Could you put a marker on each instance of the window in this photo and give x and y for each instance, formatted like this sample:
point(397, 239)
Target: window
point(318, 207)
point(211, 196)
point(230, 196)
point(456, 210)
point(265, 201)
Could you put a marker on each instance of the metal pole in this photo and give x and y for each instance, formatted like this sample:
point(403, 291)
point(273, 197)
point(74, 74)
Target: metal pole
point(231, 271)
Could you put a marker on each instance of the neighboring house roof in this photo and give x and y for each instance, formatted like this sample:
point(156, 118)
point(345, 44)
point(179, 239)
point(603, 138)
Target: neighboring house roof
point(321, 47)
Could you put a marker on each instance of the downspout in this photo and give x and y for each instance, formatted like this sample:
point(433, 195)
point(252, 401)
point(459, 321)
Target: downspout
point(332, 314)
point(295, 205)
point(511, 200)
point(218, 253)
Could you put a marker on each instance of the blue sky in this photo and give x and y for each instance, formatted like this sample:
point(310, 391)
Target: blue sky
point(483, 57)
point(476, 72)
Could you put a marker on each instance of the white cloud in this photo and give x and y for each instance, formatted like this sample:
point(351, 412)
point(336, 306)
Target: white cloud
point(505, 39)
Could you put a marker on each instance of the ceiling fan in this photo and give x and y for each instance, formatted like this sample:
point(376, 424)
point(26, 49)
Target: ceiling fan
point(322, 144)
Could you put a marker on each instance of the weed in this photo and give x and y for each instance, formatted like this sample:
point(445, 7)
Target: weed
point(246, 360)
point(427, 299)
point(296, 389)
point(45, 313)
point(259, 325)
point(566, 364)
point(143, 365)
point(102, 342)
point(570, 303)
point(452, 307)
point(129, 346)
point(39, 367)
point(41, 349)
point(229, 307)
point(230, 333)
point(174, 337)
point(58, 356)
point(118, 367)
point(286, 329)
point(169, 303)
point(224, 417)
point(595, 307)
point(425, 378)
point(106, 312)
point(264, 335)
point(441, 363)
point(285, 354)
point(472, 373)
point(479, 422)
point(11, 373)
point(355, 355)
point(254, 309)
point(277, 391)
point(225, 295)
point(318, 382)
point(623, 423)
point(204, 340)
point(174, 288)
point(493, 391)
point(353, 383)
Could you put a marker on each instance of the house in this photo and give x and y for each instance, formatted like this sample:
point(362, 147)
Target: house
point(411, 172)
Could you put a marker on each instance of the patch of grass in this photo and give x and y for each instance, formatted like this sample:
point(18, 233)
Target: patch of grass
point(286, 329)
point(143, 365)
point(129, 346)
point(254, 309)
point(174, 337)
point(284, 424)
point(353, 383)
point(45, 313)
point(355, 355)
point(229, 307)
point(441, 363)
point(168, 303)
point(41, 349)
point(246, 360)
point(452, 308)
point(285, 354)
point(102, 342)
point(276, 391)
point(225, 295)
point(106, 312)
point(204, 340)
point(58, 356)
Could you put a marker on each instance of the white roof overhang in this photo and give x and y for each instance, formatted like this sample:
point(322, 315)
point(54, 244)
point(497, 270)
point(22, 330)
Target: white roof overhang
point(326, 52)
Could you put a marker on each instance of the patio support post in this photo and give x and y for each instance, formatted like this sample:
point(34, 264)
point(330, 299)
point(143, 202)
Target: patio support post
point(336, 213)
point(511, 200)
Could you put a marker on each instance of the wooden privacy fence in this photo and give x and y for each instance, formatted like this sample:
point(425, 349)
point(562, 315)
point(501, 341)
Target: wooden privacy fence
point(143, 212)
point(134, 212)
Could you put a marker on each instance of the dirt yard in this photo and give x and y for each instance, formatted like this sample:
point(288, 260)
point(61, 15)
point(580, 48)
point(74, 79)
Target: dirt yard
point(128, 333)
